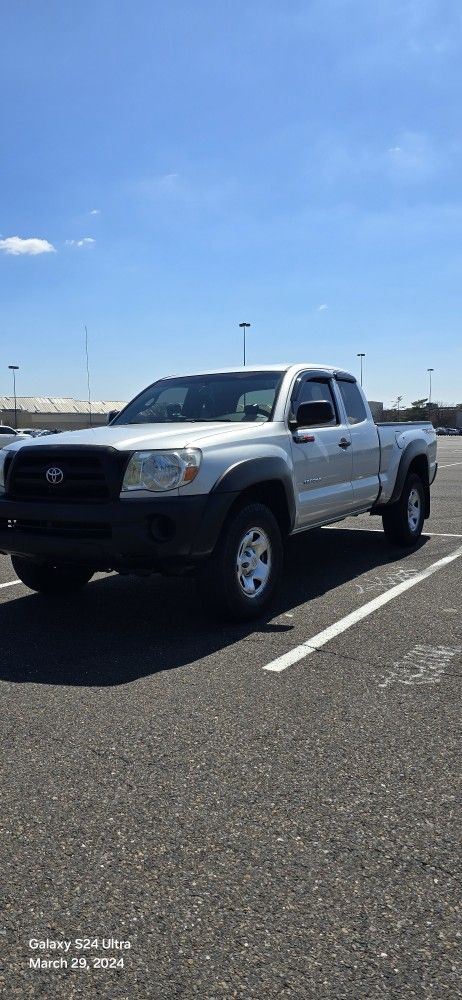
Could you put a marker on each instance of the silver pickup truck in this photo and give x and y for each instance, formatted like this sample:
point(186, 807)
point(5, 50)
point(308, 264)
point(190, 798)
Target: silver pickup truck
point(208, 474)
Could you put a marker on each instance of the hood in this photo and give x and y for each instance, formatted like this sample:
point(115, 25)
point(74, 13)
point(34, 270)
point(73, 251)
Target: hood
point(136, 437)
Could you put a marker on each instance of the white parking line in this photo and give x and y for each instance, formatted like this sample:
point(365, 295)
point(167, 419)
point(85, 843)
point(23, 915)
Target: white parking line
point(441, 534)
point(450, 465)
point(11, 583)
point(311, 645)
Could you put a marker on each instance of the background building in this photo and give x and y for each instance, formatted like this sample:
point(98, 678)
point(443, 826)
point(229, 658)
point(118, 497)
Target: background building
point(50, 412)
point(376, 409)
point(439, 415)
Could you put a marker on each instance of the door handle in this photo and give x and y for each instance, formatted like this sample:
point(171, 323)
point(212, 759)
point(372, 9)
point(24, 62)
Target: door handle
point(344, 443)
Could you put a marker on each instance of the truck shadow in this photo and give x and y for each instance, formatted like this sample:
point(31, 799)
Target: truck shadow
point(119, 629)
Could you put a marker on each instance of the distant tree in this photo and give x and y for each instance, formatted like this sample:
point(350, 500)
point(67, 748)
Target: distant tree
point(419, 404)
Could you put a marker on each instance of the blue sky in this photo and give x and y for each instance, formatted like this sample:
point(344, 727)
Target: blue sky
point(181, 167)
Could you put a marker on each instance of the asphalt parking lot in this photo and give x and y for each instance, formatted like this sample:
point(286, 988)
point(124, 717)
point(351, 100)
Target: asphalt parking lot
point(254, 833)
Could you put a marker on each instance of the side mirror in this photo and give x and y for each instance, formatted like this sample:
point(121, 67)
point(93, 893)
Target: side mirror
point(315, 414)
point(112, 415)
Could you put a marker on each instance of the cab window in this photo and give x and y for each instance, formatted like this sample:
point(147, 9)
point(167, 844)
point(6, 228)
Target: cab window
point(354, 406)
point(313, 391)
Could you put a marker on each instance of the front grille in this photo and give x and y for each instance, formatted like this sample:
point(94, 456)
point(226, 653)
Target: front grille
point(57, 529)
point(88, 474)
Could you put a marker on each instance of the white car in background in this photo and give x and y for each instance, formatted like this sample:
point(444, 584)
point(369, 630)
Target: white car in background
point(8, 435)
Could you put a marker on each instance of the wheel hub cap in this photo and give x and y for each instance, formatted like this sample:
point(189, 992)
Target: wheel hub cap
point(413, 510)
point(253, 562)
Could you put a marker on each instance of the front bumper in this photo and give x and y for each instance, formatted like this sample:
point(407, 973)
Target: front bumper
point(134, 535)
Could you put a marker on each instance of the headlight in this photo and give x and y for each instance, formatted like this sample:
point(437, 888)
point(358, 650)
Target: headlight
point(161, 470)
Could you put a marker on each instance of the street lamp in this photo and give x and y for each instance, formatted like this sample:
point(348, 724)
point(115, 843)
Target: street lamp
point(361, 356)
point(244, 326)
point(430, 370)
point(14, 369)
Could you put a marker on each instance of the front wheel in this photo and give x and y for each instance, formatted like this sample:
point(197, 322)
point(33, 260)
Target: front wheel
point(403, 521)
point(240, 576)
point(50, 578)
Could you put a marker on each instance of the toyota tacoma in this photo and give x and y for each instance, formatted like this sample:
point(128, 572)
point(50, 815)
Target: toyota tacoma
point(209, 474)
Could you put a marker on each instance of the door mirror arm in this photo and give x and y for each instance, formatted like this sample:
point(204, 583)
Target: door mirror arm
point(292, 422)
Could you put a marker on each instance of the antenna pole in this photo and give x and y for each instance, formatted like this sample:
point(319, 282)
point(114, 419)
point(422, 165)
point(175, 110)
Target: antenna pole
point(88, 376)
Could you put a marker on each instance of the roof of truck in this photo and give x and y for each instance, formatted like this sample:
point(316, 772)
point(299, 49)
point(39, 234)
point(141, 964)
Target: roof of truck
point(282, 367)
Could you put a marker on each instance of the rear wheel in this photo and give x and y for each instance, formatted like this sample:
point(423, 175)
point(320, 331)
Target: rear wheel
point(403, 521)
point(240, 576)
point(50, 578)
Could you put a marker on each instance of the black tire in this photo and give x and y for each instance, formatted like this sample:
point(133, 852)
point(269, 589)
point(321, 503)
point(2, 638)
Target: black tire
point(49, 578)
point(400, 527)
point(220, 583)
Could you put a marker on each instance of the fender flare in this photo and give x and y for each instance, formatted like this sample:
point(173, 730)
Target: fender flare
point(413, 450)
point(234, 481)
point(253, 471)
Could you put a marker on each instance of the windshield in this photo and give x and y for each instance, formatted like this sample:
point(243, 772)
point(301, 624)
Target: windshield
point(239, 396)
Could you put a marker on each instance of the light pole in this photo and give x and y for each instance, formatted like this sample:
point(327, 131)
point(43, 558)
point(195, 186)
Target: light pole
point(243, 327)
point(361, 356)
point(14, 369)
point(430, 370)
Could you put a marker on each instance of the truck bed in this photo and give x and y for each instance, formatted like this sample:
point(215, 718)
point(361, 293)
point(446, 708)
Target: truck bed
point(402, 433)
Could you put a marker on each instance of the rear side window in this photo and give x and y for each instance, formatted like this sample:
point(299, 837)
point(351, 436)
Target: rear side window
point(355, 409)
point(314, 391)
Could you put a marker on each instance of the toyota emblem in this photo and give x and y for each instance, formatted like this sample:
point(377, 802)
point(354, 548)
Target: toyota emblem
point(54, 476)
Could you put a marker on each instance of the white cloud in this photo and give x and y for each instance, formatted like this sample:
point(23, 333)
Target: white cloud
point(413, 155)
point(17, 246)
point(322, 307)
point(87, 240)
point(95, 211)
